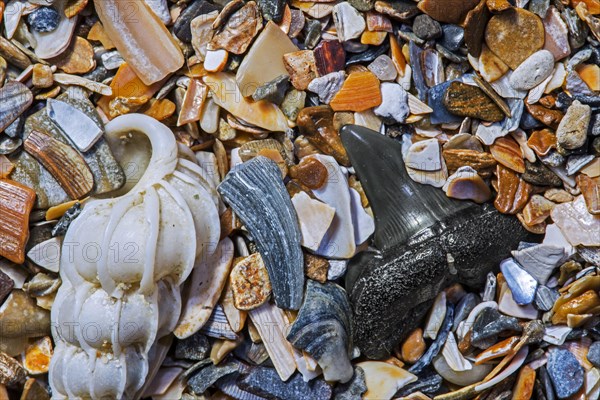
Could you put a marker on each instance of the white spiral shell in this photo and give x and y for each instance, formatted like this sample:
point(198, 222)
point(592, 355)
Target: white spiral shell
point(123, 261)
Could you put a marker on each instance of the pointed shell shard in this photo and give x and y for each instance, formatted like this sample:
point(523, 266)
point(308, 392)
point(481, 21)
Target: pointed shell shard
point(323, 328)
point(257, 195)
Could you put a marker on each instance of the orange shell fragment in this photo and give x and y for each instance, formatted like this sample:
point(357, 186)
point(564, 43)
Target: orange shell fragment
point(16, 202)
point(360, 92)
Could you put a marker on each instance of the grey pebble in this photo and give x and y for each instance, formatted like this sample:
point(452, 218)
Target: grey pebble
point(312, 33)
point(426, 27)
point(593, 355)
point(383, 67)
point(327, 86)
point(572, 130)
point(540, 175)
point(533, 70)
point(489, 324)
point(273, 91)
point(565, 372)
point(196, 347)
point(272, 9)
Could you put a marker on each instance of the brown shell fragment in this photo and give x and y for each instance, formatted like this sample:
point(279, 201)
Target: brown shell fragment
point(470, 101)
point(239, 31)
point(301, 66)
point(583, 304)
point(316, 124)
point(360, 91)
point(537, 210)
point(250, 282)
point(590, 188)
point(542, 141)
point(195, 96)
point(514, 35)
point(508, 153)
point(16, 202)
point(481, 162)
point(475, 24)
point(11, 372)
point(513, 192)
point(78, 59)
point(550, 118)
point(310, 172)
point(525, 382)
point(159, 109)
point(65, 164)
point(98, 34)
point(450, 11)
point(330, 56)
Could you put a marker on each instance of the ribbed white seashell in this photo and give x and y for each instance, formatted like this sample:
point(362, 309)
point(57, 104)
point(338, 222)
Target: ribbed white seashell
point(124, 260)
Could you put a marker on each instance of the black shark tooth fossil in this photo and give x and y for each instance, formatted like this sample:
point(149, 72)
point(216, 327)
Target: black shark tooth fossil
point(425, 241)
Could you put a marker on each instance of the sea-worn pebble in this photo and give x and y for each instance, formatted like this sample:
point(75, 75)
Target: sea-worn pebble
point(491, 66)
point(542, 141)
point(470, 101)
point(11, 371)
point(401, 10)
point(413, 346)
point(272, 9)
point(383, 68)
point(513, 192)
point(508, 153)
point(330, 56)
point(566, 374)
point(44, 19)
point(520, 282)
point(452, 11)
point(426, 27)
point(327, 86)
point(394, 104)
point(572, 131)
point(265, 382)
point(503, 29)
point(483, 162)
point(349, 23)
point(537, 210)
point(593, 355)
point(538, 174)
point(532, 71)
point(453, 37)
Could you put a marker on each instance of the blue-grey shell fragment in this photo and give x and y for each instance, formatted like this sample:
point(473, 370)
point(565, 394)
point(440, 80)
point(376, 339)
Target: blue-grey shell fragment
point(322, 329)
point(256, 193)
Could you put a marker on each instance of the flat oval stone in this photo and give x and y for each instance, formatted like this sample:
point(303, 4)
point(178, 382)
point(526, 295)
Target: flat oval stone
point(470, 101)
point(533, 71)
point(451, 11)
point(565, 372)
point(514, 35)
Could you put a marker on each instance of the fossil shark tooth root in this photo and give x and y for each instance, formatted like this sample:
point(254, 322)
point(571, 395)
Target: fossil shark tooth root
point(322, 329)
point(417, 231)
point(256, 193)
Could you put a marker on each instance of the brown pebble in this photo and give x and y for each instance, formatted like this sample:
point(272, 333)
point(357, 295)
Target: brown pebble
point(481, 162)
point(498, 5)
point(538, 229)
point(414, 346)
point(590, 188)
point(537, 210)
point(542, 141)
point(513, 192)
point(470, 101)
point(311, 173)
point(250, 282)
point(475, 24)
point(450, 11)
point(514, 35)
point(582, 304)
point(78, 59)
point(550, 118)
point(508, 153)
point(301, 66)
point(11, 372)
point(316, 267)
point(42, 76)
point(523, 389)
point(316, 125)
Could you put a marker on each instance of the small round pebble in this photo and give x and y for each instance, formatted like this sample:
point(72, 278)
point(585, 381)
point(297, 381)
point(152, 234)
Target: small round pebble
point(426, 27)
point(565, 372)
point(533, 70)
point(44, 19)
point(593, 355)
